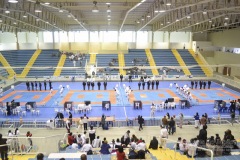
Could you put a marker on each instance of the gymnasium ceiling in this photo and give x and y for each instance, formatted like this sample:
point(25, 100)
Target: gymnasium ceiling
point(119, 15)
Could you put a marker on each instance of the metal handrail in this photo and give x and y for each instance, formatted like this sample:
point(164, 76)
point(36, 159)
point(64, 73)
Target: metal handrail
point(208, 150)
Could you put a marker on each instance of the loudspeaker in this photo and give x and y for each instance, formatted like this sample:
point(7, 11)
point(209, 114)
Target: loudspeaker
point(170, 99)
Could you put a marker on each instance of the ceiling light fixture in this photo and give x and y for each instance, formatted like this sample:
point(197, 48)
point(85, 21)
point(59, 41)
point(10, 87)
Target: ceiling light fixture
point(1, 20)
point(12, 1)
point(109, 19)
point(197, 23)
point(37, 7)
point(138, 21)
point(47, 3)
point(95, 8)
point(168, 22)
point(108, 15)
point(148, 15)
point(142, 18)
point(210, 21)
point(226, 18)
point(204, 11)
point(14, 23)
point(168, 3)
point(69, 16)
point(177, 20)
point(188, 17)
point(25, 15)
point(7, 11)
point(108, 10)
point(161, 24)
point(108, 3)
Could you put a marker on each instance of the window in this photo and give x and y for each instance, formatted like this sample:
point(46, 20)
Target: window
point(47, 37)
point(94, 37)
point(81, 36)
point(127, 36)
point(142, 36)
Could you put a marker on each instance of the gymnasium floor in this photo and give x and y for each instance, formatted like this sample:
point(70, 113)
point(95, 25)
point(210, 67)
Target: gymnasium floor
point(121, 107)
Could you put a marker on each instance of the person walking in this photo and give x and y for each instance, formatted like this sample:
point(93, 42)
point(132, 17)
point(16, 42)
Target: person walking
point(140, 122)
point(181, 118)
point(232, 117)
point(196, 118)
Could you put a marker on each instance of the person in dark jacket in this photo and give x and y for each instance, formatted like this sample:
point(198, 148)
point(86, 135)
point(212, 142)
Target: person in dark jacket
point(139, 85)
point(3, 149)
point(140, 122)
point(50, 85)
point(84, 85)
point(153, 83)
point(88, 85)
point(92, 84)
point(148, 84)
point(200, 84)
point(192, 84)
point(153, 143)
point(121, 77)
point(196, 83)
point(171, 125)
point(32, 84)
point(105, 85)
point(143, 85)
point(209, 84)
point(204, 84)
point(36, 86)
point(40, 86)
point(157, 83)
point(99, 85)
point(45, 85)
point(60, 117)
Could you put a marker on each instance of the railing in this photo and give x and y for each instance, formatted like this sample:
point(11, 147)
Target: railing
point(33, 145)
point(129, 122)
point(208, 150)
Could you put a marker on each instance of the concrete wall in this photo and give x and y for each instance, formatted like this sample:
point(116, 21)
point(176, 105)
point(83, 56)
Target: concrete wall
point(228, 38)
point(223, 58)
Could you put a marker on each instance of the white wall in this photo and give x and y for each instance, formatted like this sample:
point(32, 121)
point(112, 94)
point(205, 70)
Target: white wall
point(156, 40)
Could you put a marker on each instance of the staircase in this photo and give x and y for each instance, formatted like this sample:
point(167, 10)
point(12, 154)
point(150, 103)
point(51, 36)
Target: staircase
point(60, 64)
point(121, 62)
point(205, 69)
point(181, 62)
point(92, 58)
point(167, 154)
point(30, 63)
point(7, 66)
point(151, 62)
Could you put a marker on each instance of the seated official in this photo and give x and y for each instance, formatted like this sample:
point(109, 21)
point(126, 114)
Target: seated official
point(87, 147)
point(105, 148)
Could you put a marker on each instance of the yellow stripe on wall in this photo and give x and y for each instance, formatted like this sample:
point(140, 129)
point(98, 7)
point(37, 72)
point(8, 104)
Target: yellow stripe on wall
point(151, 62)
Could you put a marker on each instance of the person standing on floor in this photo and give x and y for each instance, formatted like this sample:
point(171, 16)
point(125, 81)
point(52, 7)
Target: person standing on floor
point(92, 84)
point(45, 85)
point(200, 84)
point(121, 77)
point(36, 86)
point(204, 84)
point(196, 84)
point(139, 85)
point(140, 122)
point(103, 121)
point(88, 85)
point(40, 86)
point(85, 122)
point(153, 83)
point(181, 119)
point(105, 85)
point(92, 134)
point(232, 117)
point(32, 84)
point(99, 85)
point(196, 118)
point(192, 84)
point(68, 126)
point(27, 84)
point(157, 83)
point(50, 84)
point(1, 92)
point(148, 85)
point(163, 135)
point(84, 85)
point(143, 85)
point(209, 84)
